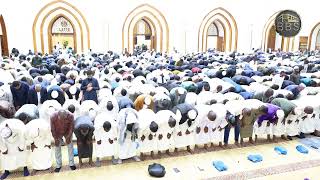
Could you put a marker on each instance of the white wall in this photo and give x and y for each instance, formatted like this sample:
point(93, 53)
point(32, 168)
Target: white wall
point(183, 17)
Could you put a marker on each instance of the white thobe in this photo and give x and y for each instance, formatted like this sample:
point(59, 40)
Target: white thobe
point(86, 106)
point(109, 140)
point(146, 116)
point(202, 123)
point(191, 98)
point(216, 134)
point(41, 156)
point(43, 111)
point(76, 104)
point(14, 159)
point(128, 148)
point(279, 128)
point(104, 102)
point(167, 141)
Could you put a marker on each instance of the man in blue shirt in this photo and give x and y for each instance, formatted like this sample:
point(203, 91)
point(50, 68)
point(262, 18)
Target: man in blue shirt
point(19, 92)
point(90, 86)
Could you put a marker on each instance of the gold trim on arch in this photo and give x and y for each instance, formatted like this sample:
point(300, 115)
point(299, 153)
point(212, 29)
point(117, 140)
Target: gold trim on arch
point(45, 18)
point(50, 32)
point(161, 29)
point(230, 32)
point(310, 36)
point(4, 37)
point(50, 4)
point(137, 8)
point(265, 33)
point(233, 22)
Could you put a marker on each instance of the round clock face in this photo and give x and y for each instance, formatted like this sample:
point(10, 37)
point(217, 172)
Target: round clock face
point(288, 23)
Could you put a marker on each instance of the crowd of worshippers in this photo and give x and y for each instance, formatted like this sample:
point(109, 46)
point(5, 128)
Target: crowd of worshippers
point(125, 107)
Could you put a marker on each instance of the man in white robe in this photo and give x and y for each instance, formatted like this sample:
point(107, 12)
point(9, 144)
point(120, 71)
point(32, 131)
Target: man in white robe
point(204, 123)
point(13, 147)
point(27, 113)
point(168, 126)
point(128, 137)
point(38, 134)
point(73, 106)
point(89, 108)
point(147, 132)
point(48, 108)
point(106, 135)
point(217, 132)
point(185, 137)
point(109, 104)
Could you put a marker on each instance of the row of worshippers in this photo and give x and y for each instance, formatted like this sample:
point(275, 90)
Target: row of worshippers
point(161, 83)
point(129, 133)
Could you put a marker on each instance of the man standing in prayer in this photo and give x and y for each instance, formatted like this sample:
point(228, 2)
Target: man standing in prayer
point(89, 87)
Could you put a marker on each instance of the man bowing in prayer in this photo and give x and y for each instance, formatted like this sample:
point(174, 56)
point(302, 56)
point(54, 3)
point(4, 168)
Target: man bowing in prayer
point(62, 125)
point(19, 92)
point(128, 130)
point(39, 136)
point(37, 94)
point(12, 147)
point(83, 129)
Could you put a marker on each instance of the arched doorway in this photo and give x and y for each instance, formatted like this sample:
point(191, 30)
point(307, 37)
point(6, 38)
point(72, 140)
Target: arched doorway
point(44, 39)
point(61, 34)
point(4, 51)
point(224, 23)
point(215, 38)
point(144, 34)
point(314, 38)
point(153, 20)
point(275, 41)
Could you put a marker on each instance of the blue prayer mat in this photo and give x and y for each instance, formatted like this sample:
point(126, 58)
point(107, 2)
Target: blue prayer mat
point(281, 150)
point(75, 151)
point(311, 142)
point(255, 158)
point(220, 166)
point(302, 149)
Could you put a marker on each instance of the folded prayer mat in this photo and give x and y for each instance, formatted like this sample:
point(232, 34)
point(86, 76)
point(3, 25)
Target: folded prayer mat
point(220, 166)
point(255, 158)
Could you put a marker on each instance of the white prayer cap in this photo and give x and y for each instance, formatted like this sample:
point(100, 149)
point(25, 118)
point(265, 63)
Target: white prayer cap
point(147, 100)
point(54, 94)
point(5, 132)
point(224, 73)
point(192, 114)
point(73, 90)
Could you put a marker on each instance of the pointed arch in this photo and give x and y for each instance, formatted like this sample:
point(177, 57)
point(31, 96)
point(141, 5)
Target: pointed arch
point(230, 28)
point(155, 18)
point(4, 38)
point(312, 40)
point(45, 16)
